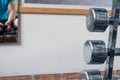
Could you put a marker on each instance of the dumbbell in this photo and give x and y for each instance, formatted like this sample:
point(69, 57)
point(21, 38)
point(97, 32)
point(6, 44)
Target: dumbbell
point(95, 52)
point(97, 20)
point(11, 35)
point(91, 75)
point(94, 75)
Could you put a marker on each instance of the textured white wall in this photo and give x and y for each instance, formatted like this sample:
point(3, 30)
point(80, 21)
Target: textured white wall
point(49, 44)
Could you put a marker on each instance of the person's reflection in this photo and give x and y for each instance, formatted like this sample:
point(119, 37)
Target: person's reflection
point(8, 21)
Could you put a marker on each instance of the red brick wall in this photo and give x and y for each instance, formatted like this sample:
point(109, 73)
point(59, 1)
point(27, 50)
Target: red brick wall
point(65, 76)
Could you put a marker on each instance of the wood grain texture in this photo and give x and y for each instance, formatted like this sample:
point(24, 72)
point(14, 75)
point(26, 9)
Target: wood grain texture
point(40, 10)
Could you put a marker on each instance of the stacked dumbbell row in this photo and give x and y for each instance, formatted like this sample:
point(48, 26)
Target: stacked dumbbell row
point(95, 51)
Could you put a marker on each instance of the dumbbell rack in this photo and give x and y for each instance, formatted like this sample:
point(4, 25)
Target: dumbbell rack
point(114, 21)
point(112, 51)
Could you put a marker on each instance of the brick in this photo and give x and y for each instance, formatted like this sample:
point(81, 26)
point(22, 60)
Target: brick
point(72, 76)
point(48, 77)
point(103, 73)
point(114, 73)
point(118, 72)
point(27, 77)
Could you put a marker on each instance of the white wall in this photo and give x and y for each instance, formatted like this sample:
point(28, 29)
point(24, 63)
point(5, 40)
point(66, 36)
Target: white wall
point(49, 44)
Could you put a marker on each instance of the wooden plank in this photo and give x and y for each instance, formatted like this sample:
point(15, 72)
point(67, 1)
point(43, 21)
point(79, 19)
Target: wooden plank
point(40, 10)
point(37, 10)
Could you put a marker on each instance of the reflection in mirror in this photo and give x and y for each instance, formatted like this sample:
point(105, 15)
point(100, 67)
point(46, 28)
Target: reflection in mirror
point(8, 21)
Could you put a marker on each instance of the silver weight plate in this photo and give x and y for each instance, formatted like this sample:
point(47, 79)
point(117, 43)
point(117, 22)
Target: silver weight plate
point(95, 52)
point(91, 75)
point(97, 20)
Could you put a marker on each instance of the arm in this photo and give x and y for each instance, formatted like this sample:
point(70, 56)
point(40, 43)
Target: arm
point(1, 24)
point(11, 10)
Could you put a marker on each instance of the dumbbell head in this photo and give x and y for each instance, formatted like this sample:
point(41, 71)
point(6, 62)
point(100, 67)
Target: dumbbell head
point(95, 52)
point(97, 20)
point(91, 75)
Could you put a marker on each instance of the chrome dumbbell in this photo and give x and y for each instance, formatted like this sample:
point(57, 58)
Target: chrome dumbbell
point(95, 52)
point(91, 75)
point(97, 20)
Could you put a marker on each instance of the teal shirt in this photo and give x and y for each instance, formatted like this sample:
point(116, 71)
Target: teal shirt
point(4, 9)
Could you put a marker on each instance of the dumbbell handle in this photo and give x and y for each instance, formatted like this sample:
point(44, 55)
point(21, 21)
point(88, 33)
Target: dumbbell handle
point(112, 39)
point(117, 52)
point(111, 21)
